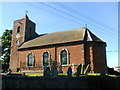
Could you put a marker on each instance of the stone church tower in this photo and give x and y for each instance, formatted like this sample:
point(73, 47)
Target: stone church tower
point(23, 30)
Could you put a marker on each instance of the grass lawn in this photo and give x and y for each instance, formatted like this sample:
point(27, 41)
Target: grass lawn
point(33, 74)
point(65, 74)
point(37, 74)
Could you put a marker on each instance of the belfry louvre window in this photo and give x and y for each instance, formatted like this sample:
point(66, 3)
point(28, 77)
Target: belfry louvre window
point(30, 59)
point(18, 29)
point(45, 58)
point(63, 58)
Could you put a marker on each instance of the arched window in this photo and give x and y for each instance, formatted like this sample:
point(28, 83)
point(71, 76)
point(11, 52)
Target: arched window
point(30, 59)
point(64, 57)
point(45, 58)
point(18, 29)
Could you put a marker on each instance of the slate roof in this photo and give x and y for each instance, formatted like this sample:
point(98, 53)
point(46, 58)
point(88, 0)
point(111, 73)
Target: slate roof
point(80, 34)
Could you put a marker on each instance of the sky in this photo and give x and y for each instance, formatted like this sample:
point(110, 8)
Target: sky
point(99, 17)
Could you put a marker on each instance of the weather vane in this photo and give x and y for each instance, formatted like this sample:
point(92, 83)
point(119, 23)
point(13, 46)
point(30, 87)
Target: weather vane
point(26, 12)
point(85, 25)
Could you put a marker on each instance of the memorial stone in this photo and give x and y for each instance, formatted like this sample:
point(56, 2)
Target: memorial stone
point(69, 72)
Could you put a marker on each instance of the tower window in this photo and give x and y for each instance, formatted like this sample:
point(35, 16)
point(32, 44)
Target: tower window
point(17, 42)
point(18, 29)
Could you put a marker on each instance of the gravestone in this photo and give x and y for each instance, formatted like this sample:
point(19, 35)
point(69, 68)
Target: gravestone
point(47, 72)
point(44, 71)
point(82, 69)
point(73, 67)
point(69, 72)
point(60, 69)
point(79, 70)
point(86, 69)
point(45, 66)
point(53, 67)
point(9, 71)
point(55, 73)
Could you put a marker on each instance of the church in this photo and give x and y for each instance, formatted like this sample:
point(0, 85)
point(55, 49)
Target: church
point(30, 51)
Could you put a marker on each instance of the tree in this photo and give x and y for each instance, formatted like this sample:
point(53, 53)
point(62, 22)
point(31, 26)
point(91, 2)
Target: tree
point(6, 46)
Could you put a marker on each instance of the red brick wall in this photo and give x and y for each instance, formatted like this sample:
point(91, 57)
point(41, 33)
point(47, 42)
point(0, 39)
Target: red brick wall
point(14, 47)
point(95, 55)
point(91, 53)
point(25, 25)
point(76, 56)
point(99, 54)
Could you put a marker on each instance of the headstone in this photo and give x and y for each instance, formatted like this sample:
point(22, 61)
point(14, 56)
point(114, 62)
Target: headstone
point(44, 71)
point(24, 73)
point(60, 69)
point(73, 67)
point(79, 70)
point(82, 69)
point(47, 72)
point(55, 73)
point(9, 71)
point(86, 69)
point(69, 72)
point(45, 66)
point(18, 69)
point(53, 68)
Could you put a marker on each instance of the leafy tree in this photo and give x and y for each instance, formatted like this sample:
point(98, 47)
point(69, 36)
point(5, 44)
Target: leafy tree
point(6, 46)
point(0, 55)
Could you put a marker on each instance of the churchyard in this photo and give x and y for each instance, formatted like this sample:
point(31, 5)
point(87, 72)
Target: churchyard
point(60, 81)
point(54, 70)
point(52, 78)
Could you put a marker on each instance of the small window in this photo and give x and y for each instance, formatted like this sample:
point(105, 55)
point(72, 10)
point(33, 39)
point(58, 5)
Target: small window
point(64, 58)
point(17, 42)
point(30, 59)
point(45, 58)
point(18, 29)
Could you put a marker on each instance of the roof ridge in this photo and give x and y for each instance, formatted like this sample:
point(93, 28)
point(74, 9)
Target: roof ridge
point(69, 30)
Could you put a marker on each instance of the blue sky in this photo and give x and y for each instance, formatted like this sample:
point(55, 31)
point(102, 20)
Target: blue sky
point(101, 18)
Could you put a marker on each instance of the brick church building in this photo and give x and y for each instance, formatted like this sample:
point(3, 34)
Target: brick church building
point(30, 51)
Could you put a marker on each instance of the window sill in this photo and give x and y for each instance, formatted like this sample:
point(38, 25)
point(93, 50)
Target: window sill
point(30, 66)
point(47, 66)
